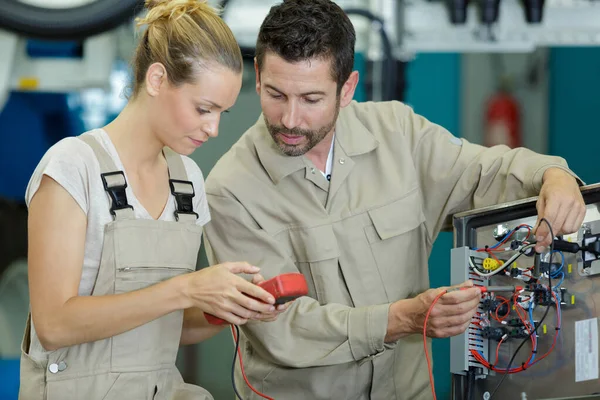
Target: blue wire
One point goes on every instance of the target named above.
(562, 279)
(532, 322)
(555, 274)
(494, 247)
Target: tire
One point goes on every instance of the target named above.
(73, 23)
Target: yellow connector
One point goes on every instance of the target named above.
(489, 264)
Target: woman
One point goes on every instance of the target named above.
(115, 223)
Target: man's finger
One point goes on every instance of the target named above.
(572, 223)
(461, 296)
(549, 216)
(539, 206)
(561, 217)
(542, 235)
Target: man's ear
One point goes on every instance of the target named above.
(347, 92)
(257, 71)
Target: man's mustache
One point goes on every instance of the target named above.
(290, 132)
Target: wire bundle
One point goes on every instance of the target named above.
(525, 315)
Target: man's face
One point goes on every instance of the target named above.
(299, 101)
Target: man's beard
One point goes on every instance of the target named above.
(313, 136)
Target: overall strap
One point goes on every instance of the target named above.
(181, 188)
(113, 180)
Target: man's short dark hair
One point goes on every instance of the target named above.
(300, 30)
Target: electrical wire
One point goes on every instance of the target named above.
(534, 331)
(503, 300)
(235, 331)
(508, 236)
(503, 266)
(389, 62)
(237, 347)
(532, 323)
(425, 342)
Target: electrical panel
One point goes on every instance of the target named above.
(538, 336)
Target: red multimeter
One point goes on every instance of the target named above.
(284, 287)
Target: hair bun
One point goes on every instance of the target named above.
(171, 9)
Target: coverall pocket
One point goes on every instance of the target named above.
(396, 238)
(92, 387)
(313, 249)
(33, 386)
(146, 345)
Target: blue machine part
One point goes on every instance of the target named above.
(9, 385)
(30, 123)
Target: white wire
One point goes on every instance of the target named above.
(503, 266)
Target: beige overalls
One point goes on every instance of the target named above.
(140, 363)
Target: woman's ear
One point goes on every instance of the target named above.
(155, 78)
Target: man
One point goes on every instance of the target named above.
(353, 196)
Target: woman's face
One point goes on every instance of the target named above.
(185, 116)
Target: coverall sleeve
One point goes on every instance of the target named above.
(307, 334)
(456, 175)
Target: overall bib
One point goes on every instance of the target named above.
(137, 253)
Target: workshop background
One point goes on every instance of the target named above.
(515, 72)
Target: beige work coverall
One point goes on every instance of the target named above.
(138, 364)
(362, 241)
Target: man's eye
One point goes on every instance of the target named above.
(203, 111)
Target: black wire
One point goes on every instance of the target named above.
(470, 384)
(389, 62)
(539, 323)
(237, 346)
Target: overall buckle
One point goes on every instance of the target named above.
(184, 192)
(115, 188)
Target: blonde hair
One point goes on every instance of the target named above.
(186, 36)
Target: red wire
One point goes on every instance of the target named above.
(242, 368)
(504, 300)
(507, 239)
(555, 335)
(486, 364)
(425, 342)
(498, 352)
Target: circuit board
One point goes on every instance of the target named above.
(541, 341)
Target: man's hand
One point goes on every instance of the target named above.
(561, 204)
(269, 316)
(450, 316)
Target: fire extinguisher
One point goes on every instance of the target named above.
(502, 120)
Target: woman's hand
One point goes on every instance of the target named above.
(217, 290)
(269, 316)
